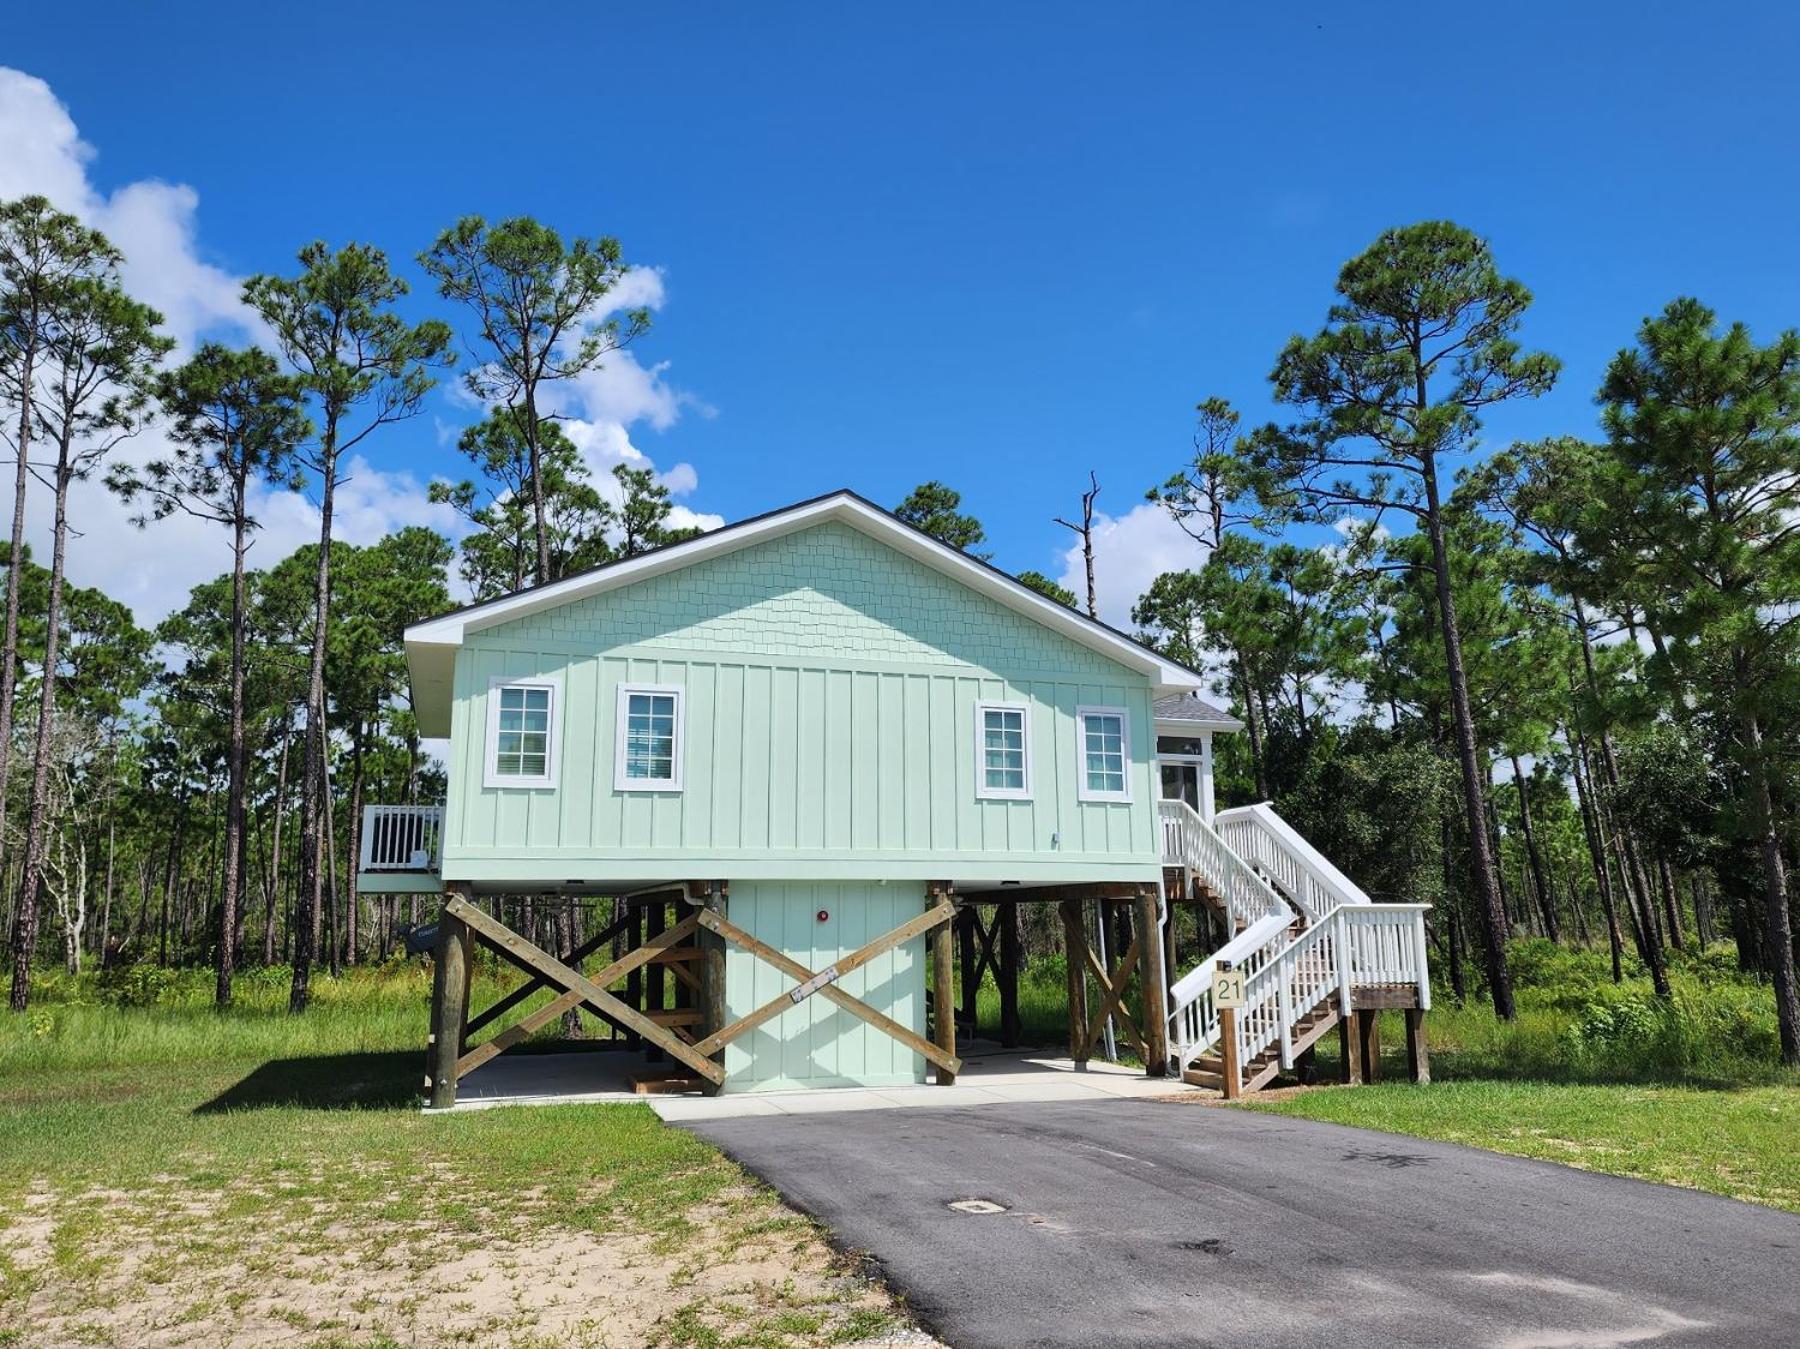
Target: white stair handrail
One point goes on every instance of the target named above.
(1274, 847)
(1193, 1020)
(1189, 841)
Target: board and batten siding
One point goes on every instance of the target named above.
(830, 686)
(816, 1043)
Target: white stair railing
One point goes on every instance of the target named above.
(1193, 1020)
(1279, 851)
(1189, 841)
(1348, 942)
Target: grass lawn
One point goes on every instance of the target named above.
(170, 1175)
(1739, 1143)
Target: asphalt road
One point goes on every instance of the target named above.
(1146, 1223)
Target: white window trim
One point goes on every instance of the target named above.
(621, 783)
(1082, 791)
(490, 761)
(982, 790)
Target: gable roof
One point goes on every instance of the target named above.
(431, 645)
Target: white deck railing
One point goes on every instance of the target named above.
(1280, 852)
(401, 838)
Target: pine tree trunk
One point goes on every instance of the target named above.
(1546, 897)
(1671, 904)
(1490, 909)
(15, 576)
(312, 787)
(1254, 727)
(25, 927)
(272, 899)
(1778, 932)
(231, 896)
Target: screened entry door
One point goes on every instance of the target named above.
(1181, 781)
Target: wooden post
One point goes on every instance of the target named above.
(943, 985)
(1230, 1069)
(1151, 973)
(1075, 956)
(1350, 1049)
(1369, 1034)
(1010, 961)
(712, 968)
(655, 924)
(634, 982)
(449, 1008)
(1418, 1057)
(971, 986)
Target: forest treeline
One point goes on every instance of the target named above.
(192, 794)
(1551, 688)
(1548, 688)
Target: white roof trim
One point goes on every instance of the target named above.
(450, 630)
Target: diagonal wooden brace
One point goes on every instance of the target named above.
(516, 948)
(1112, 998)
(810, 983)
(537, 981)
(567, 1001)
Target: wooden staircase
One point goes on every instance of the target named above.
(1309, 947)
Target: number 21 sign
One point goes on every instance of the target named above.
(1228, 989)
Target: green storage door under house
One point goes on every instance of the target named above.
(817, 1044)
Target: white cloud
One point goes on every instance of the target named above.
(150, 222)
(155, 225)
(1130, 551)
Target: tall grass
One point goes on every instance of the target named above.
(1576, 1025)
(146, 1015)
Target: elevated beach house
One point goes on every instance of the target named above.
(816, 763)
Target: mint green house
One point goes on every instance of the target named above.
(803, 750)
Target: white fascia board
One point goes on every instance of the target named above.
(450, 630)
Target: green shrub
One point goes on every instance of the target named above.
(138, 985)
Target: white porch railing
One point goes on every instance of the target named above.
(401, 838)
(1278, 850)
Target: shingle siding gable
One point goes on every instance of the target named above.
(827, 591)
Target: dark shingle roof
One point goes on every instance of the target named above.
(1190, 707)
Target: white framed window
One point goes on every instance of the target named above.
(647, 738)
(1103, 753)
(522, 732)
(1003, 751)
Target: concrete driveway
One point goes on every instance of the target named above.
(1132, 1222)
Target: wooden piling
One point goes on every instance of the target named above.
(712, 967)
(1011, 957)
(1151, 974)
(943, 985)
(449, 1008)
(1369, 1037)
(1418, 1057)
(1075, 956)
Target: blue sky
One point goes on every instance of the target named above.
(998, 245)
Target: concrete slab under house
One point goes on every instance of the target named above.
(766, 801)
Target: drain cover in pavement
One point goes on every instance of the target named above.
(976, 1206)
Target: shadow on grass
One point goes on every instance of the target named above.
(388, 1080)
